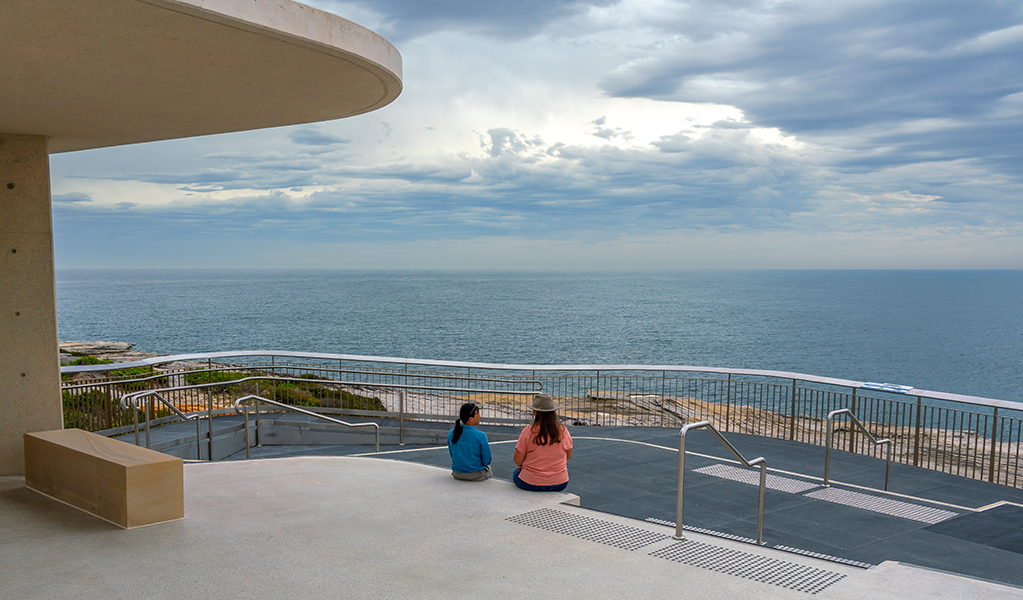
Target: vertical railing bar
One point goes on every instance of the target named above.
(728, 404)
(792, 420)
(209, 404)
(852, 431)
(994, 446)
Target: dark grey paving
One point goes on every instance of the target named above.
(1000, 527)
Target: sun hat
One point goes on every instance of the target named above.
(544, 403)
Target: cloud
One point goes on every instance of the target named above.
(71, 198)
(638, 119)
(315, 136)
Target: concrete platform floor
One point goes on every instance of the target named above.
(327, 527)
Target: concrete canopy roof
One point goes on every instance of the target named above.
(97, 73)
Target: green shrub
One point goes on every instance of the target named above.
(216, 376)
(90, 360)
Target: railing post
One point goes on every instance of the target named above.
(792, 419)
(916, 434)
(852, 430)
(664, 390)
(149, 417)
(247, 431)
(259, 431)
(679, 533)
(110, 408)
(760, 506)
(401, 417)
(994, 446)
(827, 450)
(209, 405)
(728, 404)
(135, 420)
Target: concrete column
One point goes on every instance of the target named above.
(29, 367)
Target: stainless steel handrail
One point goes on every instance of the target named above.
(761, 461)
(184, 416)
(877, 442)
(258, 399)
(134, 398)
(900, 390)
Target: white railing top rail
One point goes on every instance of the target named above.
(865, 385)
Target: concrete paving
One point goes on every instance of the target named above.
(324, 527)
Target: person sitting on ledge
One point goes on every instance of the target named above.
(543, 450)
(468, 446)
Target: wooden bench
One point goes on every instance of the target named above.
(127, 485)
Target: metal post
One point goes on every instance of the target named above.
(209, 404)
(135, 419)
(149, 414)
(198, 437)
(852, 430)
(916, 435)
(679, 535)
(888, 466)
(994, 446)
(247, 431)
(827, 451)
(760, 506)
(259, 431)
(792, 419)
(728, 404)
(401, 417)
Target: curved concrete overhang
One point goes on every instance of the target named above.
(96, 73)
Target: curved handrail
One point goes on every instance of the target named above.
(877, 442)
(134, 399)
(258, 399)
(174, 409)
(761, 461)
(866, 385)
(131, 397)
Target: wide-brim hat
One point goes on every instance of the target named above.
(544, 403)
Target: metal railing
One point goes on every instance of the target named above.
(827, 445)
(679, 534)
(979, 438)
(258, 399)
(134, 400)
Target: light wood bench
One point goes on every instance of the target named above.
(127, 485)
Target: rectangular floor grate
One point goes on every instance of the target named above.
(752, 477)
(828, 557)
(588, 528)
(754, 567)
(719, 534)
(896, 508)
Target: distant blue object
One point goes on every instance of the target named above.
(471, 453)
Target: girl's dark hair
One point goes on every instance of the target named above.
(546, 427)
(465, 413)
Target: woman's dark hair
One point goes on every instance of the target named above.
(465, 413)
(547, 428)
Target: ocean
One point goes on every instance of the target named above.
(949, 331)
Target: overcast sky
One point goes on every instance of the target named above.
(542, 134)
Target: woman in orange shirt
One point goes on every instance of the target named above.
(543, 450)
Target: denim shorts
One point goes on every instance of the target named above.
(537, 488)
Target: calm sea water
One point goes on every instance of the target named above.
(952, 331)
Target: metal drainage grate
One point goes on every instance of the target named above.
(719, 534)
(750, 566)
(782, 484)
(886, 506)
(828, 557)
(587, 528)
